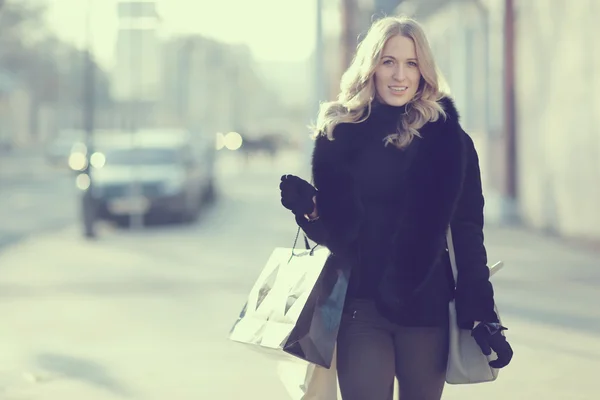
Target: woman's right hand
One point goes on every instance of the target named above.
(297, 195)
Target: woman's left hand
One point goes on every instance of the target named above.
(488, 336)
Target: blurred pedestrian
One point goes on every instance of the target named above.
(392, 169)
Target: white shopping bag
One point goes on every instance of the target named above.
(277, 300)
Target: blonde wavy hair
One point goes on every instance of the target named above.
(357, 87)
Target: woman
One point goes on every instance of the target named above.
(392, 169)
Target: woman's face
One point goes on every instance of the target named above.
(397, 75)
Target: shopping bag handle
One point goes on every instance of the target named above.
(306, 245)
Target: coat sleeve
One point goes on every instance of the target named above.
(474, 292)
(338, 203)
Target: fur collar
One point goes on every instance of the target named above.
(434, 182)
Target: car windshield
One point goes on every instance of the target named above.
(141, 156)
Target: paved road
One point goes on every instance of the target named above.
(145, 314)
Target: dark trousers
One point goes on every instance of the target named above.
(371, 351)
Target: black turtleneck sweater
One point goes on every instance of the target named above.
(379, 172)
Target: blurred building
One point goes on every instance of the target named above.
(212, 87)
(15, 106)
(556, 123)
(188, 81)
(136, 76)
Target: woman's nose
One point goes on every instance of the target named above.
(399, 73)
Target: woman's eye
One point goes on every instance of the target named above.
(387, 62)
(412, 64)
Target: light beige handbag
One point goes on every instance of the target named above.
(466, 362)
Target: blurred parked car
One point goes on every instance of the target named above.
(269, 144)
(163, 174)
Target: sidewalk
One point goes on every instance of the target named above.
(548, 294)
(25, 164)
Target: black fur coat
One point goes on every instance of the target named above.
(443, 188)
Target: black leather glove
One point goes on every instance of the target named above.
(297, 194)
(488, 336)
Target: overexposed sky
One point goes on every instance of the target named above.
(274, 29)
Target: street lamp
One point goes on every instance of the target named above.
(89, 207)
(319, 88)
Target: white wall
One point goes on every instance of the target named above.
(558, 63)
